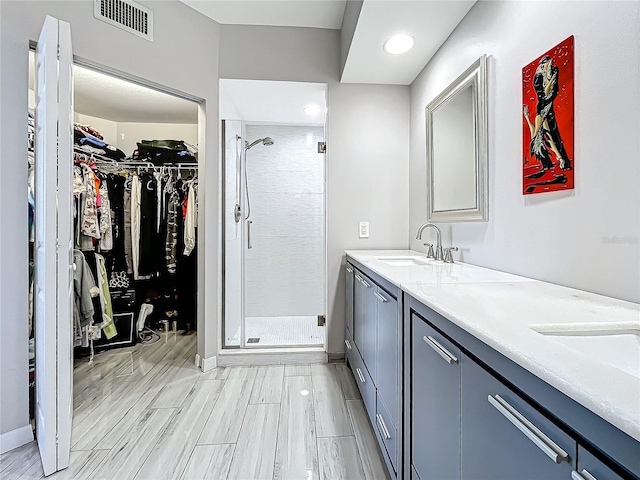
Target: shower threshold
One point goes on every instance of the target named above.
(271, 356)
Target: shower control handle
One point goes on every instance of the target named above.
(249, 222)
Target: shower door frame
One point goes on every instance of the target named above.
(243, 200)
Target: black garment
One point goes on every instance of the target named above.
(152, 238)
(115, 259)
(161, 152)
(148, 218)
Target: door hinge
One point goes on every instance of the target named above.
(322, 320)
(322, 147)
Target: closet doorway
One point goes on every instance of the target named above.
(134, 193)
(274, 258)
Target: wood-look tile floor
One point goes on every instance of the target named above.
(147, 412)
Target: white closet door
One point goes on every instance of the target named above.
(53, 255)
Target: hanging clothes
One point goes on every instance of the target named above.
(106, 233)
(116, 259)
(148, 264)
(136, 188)
(128, 229)
(85, 290)
(173, 210)
(108, 325)
(191, 221)
(90, 226)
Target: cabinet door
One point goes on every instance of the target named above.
(435, 403)
(590, 468)
(364, 321)
(359, 295)
(349, 298)
(370, 334)
(387, 352)
(504, 437)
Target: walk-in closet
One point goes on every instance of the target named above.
(134, 194)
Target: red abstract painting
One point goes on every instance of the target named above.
(547, 126)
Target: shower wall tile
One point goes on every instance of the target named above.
(305, 182)
(284, 271)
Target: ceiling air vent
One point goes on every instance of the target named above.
(127, 15)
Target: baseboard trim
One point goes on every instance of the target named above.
(336, 357)
(284, 356)
(207, 364)
(15, 438)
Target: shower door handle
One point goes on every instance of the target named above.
(249, 222)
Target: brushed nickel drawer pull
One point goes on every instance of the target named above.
(385, 432)
(380, 297)
(583, 475)
(440, 350)
(533, 433)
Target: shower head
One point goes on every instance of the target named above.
(267, 141)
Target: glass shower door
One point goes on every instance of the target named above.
(232, 224)
(284, 262)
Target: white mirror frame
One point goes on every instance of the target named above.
(476, 76)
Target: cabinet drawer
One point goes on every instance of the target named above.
(505, 437)
(388, 352)
(435, 401)
(387, 430)
(365, 385)
(589, 467)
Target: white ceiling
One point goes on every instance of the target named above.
(111, 98)
(273, 102)
(280, 13)
(429, 22)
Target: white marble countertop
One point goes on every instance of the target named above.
(507, 312)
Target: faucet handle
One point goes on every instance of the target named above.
(430, 253)
(448, 258)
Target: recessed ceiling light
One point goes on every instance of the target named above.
(312, 109)
(399, 44)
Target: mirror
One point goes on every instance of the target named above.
(457, 149)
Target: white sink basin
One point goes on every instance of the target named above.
(404, 261)
(615, 344)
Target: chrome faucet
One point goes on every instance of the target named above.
(438, 255)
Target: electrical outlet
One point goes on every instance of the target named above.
(363, 230)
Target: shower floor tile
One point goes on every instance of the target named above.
(279, 331)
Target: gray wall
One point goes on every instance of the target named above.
(348, 29)
(180, 35)
(367, 143)
(562, 237)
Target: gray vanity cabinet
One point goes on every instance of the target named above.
(374, 351)
(435, 400)
(504, 437)
(590, 468)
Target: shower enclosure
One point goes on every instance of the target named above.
(274, 235)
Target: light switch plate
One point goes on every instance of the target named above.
(363, 230)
